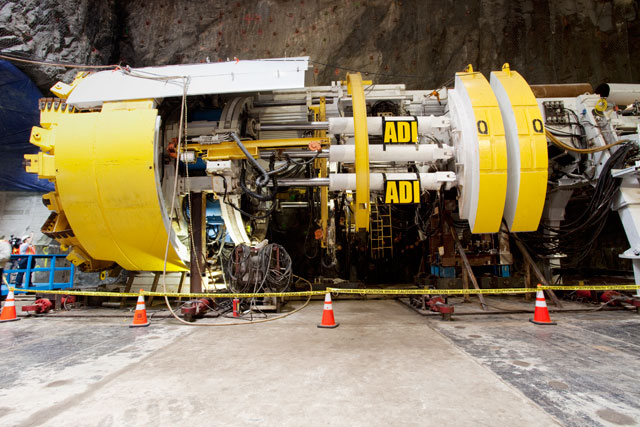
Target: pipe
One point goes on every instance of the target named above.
(285, 205)
(294, 126)
(347, 181)
(362, 206)
(426, 153)
(426, 124)
(302, 182)
(299, 154)
(287, 102)
(198, 216)
(428, 181)
(393, 153)
(619, 93)
(569, 90)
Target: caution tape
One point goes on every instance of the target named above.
(430, 291)
(593, 288)
(174, 294)
(481, 291)
(236, 295)
(80, 293)
(339, 291)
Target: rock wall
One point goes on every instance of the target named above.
(420, 43)
(73, 31)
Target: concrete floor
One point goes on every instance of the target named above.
(584, 371)
(384, 365)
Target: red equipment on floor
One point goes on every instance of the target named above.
(196, 309)
(40, 306)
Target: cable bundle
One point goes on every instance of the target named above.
(576, 237)
(259, 269)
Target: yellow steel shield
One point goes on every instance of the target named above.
(108, 186)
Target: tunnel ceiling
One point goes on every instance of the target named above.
(420, 43)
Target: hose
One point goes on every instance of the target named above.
(247, 190)
(261, 180)
(567, 147)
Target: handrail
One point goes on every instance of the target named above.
(51, 269)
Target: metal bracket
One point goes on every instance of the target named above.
(621, 173)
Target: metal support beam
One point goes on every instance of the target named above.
(528, 259)
(467, 267)
(465, 285)
(230, 150)
(355, 88)
(127, 288)
(183, 274)
(527, 281)
(154, 286)
(197, 242)
(321, 164)
(295, 126)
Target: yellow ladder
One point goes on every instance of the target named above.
(380, 231)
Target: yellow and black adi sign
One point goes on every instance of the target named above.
(399, 130)
(402, 191)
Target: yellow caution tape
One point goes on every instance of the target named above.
(341, 291)
(236, 295)
(174, 294)
(592, 288)
(481, 291)
(430, 291)
(89, 293)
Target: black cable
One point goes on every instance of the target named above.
(257, 196)
(304, 162)
(583, 133)
(226, 201)
(259, 269)
(35, 61)
(578, 236)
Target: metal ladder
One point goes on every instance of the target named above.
(381, 234)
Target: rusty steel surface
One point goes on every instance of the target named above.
(567, 90)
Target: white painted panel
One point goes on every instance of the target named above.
(466, 146)
(513, 149)
(168, 81)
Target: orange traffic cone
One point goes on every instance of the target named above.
(140, 316)
(327, 314)
(541, 314)
(9, 310)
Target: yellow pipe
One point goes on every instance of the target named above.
(355, 88)
(230, 150)
(322, 166)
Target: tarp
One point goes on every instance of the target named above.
(18, 114)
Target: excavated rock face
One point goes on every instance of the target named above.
(75, 31)
(417, 42)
